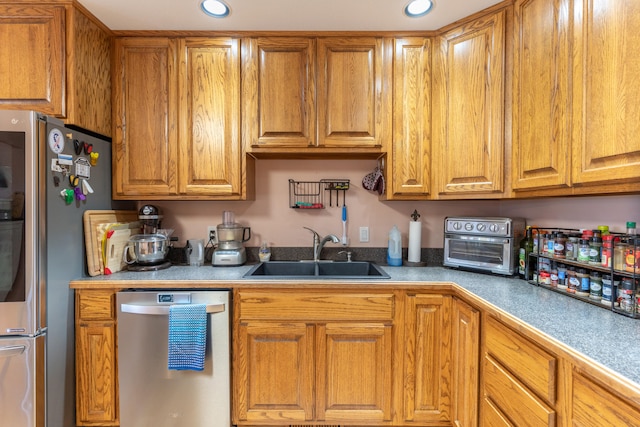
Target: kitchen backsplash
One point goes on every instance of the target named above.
(273, 221)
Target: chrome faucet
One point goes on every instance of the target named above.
(319, 242)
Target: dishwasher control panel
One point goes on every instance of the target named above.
(174, 298)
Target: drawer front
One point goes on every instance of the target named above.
(95, 305)
(513, 399)
(532, 365)
(310, 306)
(594, 406)
(491, 416)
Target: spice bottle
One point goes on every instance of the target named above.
(619, 253)
(632, 256)
(607, 250)
(606, 290)
(595, 248)
(553, 275)
(595, 285)
(631, 228)
(562, 276)
(571, 247)
(583, 277)
(572, 280)
(559, 246)
(625, 294)
(583, 251)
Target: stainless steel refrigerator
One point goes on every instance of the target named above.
(48, 178)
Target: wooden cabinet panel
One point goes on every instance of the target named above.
(410, 155)
(605, 91)
(541, 98)
(96, 372)
(275, 372)
(354, 372)
(595, 406)
(354, 103)
(145, 117)
(468, 115)
(529, 363)
(465, 347)
(279, 90)
(32, 58)
(514, 399)
(209, 91)
(315, 306)
(492, 417)
(427, 372)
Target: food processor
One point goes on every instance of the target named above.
(230, 236)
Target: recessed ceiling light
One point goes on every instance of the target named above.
(417, 8)
(215, 8)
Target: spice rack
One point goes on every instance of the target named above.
(313, 194)
(618, 279)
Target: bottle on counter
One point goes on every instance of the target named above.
(394, 251)
(526, 247)
(264, 253)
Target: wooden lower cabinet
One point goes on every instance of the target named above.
(313, 357)
(96, 372)
(465, 344)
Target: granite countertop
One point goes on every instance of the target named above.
(599, 334)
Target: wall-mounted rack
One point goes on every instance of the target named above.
(312, 194)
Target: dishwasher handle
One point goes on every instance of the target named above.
(162, 310)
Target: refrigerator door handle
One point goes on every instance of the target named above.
(12, 350)
(162, 310)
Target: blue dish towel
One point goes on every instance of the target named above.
(187, 336)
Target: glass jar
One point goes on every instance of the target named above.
(607, 290)
(571, 247)
(626, 292)
(573, 282)
(595, 248)
(595, 285)
(562, 276)
(607, 250)
(632, 256)
(553, 274)
(583, 251)
(559, 246)
(619, 252)
(583, 278)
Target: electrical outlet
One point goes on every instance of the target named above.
(211, 232)
(364, 234)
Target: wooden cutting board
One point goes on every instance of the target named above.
(94, 226)
(114, 240)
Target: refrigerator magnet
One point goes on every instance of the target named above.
(56, 140)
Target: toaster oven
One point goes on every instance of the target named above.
(486, 244)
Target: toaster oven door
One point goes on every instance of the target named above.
(494, 254)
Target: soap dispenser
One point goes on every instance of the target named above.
(394, 252)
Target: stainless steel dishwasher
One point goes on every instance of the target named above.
(151, 395)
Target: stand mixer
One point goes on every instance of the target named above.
(230, 235)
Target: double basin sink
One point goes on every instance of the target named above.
(309, 270)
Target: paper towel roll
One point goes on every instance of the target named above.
(415, 240)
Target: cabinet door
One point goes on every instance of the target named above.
(606, 90)
(209, 116)
(427, 370)
(274, 371)
(354, 372)
(279, 87)
(468, 115)
(541, 99)
(96, 374)
(32, 61)
(466, 361)
(354, 100)
(145, 118)
(410, 155)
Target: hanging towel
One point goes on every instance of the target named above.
(187, 336)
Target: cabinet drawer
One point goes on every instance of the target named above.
(529, 363)
(95, 305)
(514, 399)
(595, 406)
(310, 306)
(491, 416)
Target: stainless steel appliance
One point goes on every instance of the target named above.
(483, 243)
(41, 250)
(230, 237)
(150, 393)
(148, 251)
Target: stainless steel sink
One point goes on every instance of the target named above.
(322, 270)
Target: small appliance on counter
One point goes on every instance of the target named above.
(487, 244)
(148, 251)
(230, 236)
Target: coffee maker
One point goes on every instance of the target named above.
(230, 236)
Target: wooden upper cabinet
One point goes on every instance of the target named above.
(606, 89)
(541, 156)
(354, 99)
(209, 112)
(468, 112)
(145, 146)
(279, 91)
(32, 58)
(316, 95)
(409, 156)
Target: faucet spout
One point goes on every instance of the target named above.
(319, 242)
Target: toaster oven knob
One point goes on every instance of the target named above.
(494, 228)
(457, 225)
(468, 226)
(481, 227)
